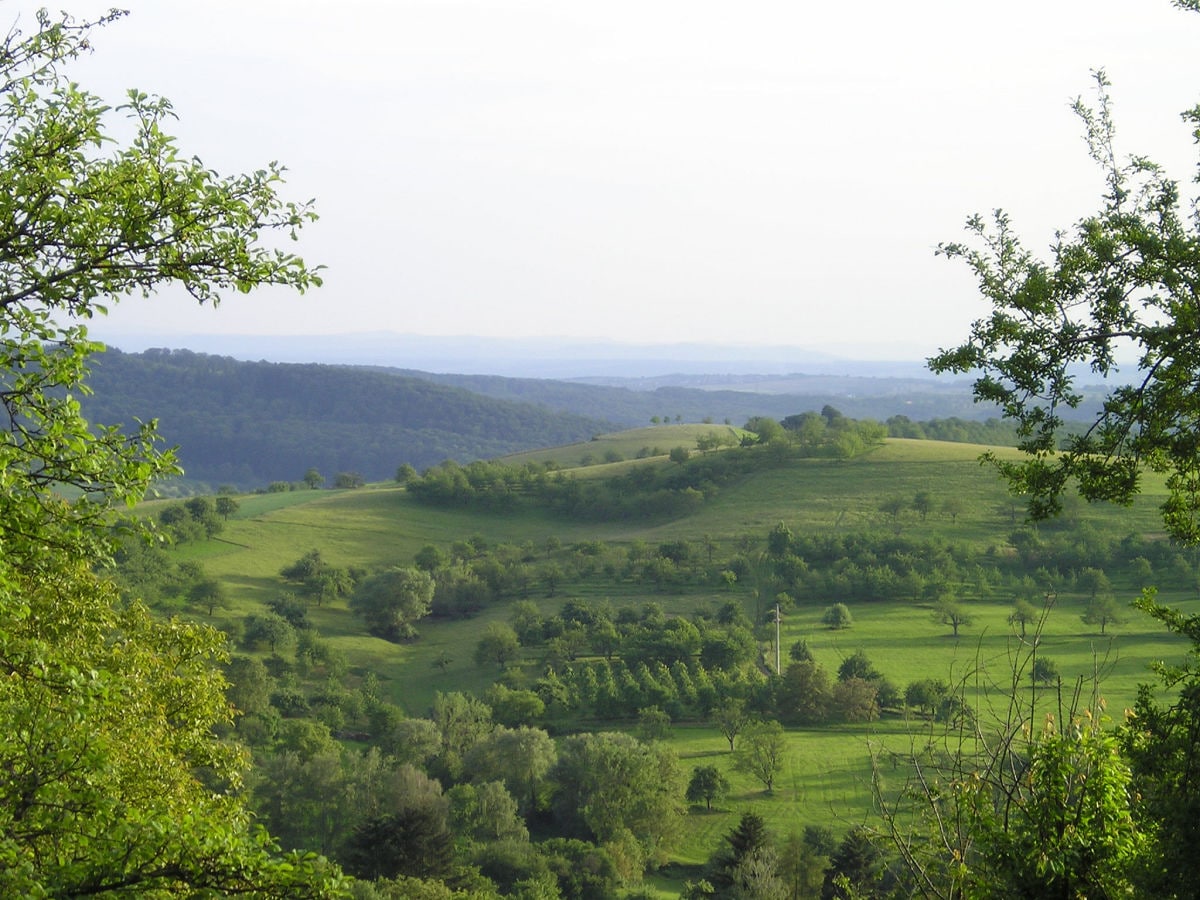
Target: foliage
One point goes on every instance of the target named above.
(498, 645)
(1161, 741)
(1102, 611)
(708, 783)
(1121, 281)
(838, 616)
(952, 613)
(393, 600)
(1067, 829)
(114, 781)
(612, 784)
(762, 753)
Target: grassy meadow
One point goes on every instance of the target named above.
(827, 777)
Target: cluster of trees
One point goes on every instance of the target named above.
(453, 796)
(824, 434)
(645, 491)
(866, 566)
(808, 862)
(990, 432)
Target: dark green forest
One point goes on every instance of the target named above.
(251, 423)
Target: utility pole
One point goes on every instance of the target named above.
(778, 669)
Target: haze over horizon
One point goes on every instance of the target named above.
(655, 174)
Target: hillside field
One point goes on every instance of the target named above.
(827, 777)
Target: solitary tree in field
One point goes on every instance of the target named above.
(952, 613)
(731, 718)
(762, 753)
(1103, 611)
(392, 601)
(226, 506)
(1023, 615)
(708, 783)
(838, 616)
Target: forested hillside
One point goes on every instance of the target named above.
(251, 423)
(629, 406)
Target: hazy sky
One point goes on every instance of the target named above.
(773, 172)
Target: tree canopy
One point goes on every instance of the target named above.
(1120, 284)
(107, 715)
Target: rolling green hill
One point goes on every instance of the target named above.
(969, 523)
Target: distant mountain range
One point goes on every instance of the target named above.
(562, 358)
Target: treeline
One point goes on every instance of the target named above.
(992, 432)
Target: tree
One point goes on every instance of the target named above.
(926, 694)
(1023, 615)
(853, 868)
(520, 757)
(708, 783)
(348, 480)
(1102, 611)
(393, 600)
(313, 479)
(679, 455)
(748, 866)
(893, 506)
(802, 696)
(611, 784)
(267, 628)
(226, 506)
(291, 609)
(1122, 280)
(1160, 743)
(779, 541)
(762, 753)
(923, 504)
(415, 841)
(498, 645)
(209, 594)
(838, 616)
(799, 651)
(1045, 671)
(249, 685)
(949, 612)
(731, 718)
(485, 812)
(858, 665)
(855, 699)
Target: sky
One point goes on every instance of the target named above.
(654, 172)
